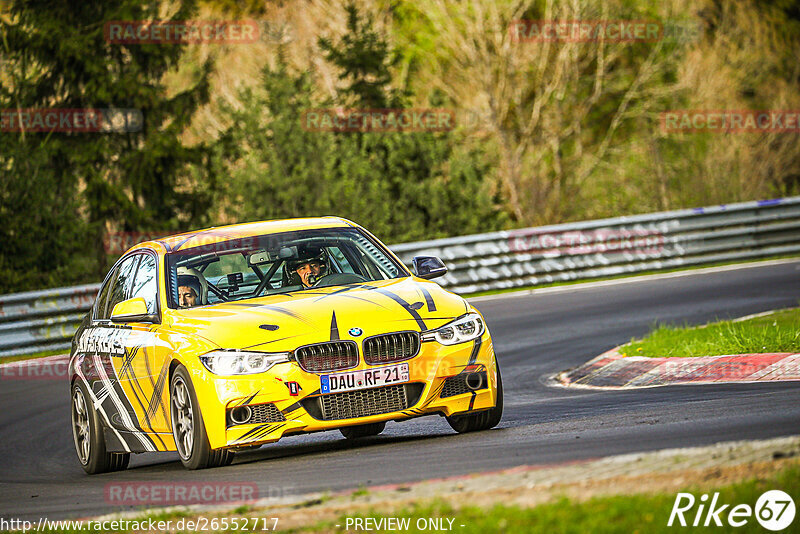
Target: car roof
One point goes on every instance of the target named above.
(218, 234)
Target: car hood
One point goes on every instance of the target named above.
(285, 322)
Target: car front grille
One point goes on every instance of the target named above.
(363, 402)
(387, 348)
(328, 356)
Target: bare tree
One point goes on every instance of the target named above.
(554, 106)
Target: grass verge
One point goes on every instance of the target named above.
(777, 332)
(630, 493)
(622, 513)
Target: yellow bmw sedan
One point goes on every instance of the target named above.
(226, 339)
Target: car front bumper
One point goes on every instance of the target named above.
(295, 395)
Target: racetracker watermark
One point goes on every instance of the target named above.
(378, 120)
(615, 31)
(118, 242)
(50, 368)
(85, 120)
(731, 121)
(147, 524)
(182, 32)
(185, 493)
(774, 510)
(601, 240)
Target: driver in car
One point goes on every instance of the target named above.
(310, 266)
(188, 291)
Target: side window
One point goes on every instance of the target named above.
(102, 297)
(122, 285)
(145, 284)
(339, 258)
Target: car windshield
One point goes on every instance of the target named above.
(250, 267)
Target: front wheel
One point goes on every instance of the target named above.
(482, 420)
(188, 429)
(87, 434)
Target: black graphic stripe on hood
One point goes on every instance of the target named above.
(334, 328)
(406, 306)
(271, 307)
(349, 287)
(411, 311)
(345, 289)
(428, 298)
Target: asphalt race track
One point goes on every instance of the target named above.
(534, 335)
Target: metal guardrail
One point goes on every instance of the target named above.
(42, 320)
(45, 320)
(608, 247)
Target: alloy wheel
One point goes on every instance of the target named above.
(182, 419)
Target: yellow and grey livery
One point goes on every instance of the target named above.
(377, 343)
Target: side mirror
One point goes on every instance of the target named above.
(132, 311)
(428, 267)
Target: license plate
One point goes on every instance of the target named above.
(366, 378)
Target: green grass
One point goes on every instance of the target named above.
(362, 491)
(624, 275)
(618, 514)
(778, 332)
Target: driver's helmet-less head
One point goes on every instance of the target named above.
(194, 279)
(306, 255)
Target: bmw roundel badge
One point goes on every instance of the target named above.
(355, 332)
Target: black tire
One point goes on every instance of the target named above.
(87, 434)
(362, 431)
(482, 420)
(188, 428)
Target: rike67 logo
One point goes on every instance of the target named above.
(774, 510)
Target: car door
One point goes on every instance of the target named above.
(119, 362)
(102, 346)
(145, 375)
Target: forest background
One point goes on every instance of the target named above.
(545, 131)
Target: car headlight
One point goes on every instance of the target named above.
(236, 362)
(463, 329)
